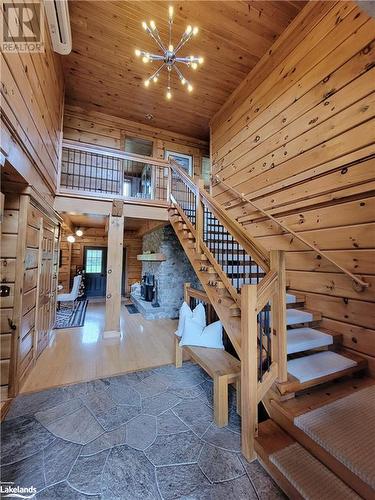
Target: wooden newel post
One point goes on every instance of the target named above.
(278, 315)
(199, 215)
(114, 272)
(249, 369)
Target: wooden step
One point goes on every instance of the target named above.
(301, 316)
(319, 368)
(306, 339)
(297, 472)
(340, 451)
(294, 298)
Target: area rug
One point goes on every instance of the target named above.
(346, 429)
(132, 309)
(65, 318)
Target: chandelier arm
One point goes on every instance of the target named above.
(157, 71)
(181, 43)
(155, 57)
(160, 41)
(157, 40)
(181, 76)
(187, 60)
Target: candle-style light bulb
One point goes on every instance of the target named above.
(170, 12)
(146, 82)
(188, 29)
(137, 52)
(190, 88)
(195, 30)
(144, 25)
(168, 95)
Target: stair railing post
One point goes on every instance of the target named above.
(278, 315)
(169, 183)
(249, 370)
(199, 215)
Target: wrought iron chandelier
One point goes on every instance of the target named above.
(169, 57)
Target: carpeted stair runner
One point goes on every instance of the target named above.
(346, 429)
(310, 477)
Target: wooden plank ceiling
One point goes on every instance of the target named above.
(103, 74)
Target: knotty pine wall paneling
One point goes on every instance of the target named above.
(297, 137)
(109, 131)
(73, 255)
(32, 96)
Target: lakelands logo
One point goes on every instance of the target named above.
(22, 27)
(7, 490)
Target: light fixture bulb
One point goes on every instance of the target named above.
(195, 30)
(145, 59)
(79, 232)
(188, 29)
(137, 52)
(170, 48)
(71, 238)
(144, 25)
(183, 81)
(194, 65)
(200, 60)
(146, 83)
(170, 11)
(155, 79)
(190, 88)
(153, 25)
(168, 95)
(191, 58)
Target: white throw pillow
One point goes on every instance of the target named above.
(195, 335)
(198, 315)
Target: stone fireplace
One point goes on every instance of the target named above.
(170, 274)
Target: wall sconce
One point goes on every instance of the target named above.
(71, 238)
(79, 232)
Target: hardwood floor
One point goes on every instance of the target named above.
(80, 354)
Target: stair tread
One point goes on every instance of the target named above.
(308, 475)
(304, 339)
(319, 365)
(295, 469)
(297, 316)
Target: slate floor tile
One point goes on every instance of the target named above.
(220, 465)
(86, 388)
(184, 481)
(240, 488)
(158, 404)
(45, 417)
(116, 415)
(98, 401)
(105, 441)
(64, 492)
(187, 393)
(174, 449)
(79, 427)
(128, 475)
(86, 475)
(168, 423)
(141, 432)
(122, 393)
(155, 384)
(25, 473)
(28, 404)
(234, 421)
(196, 414)
(22, 437)
(266, 488)
(183, 379)
(223, 438)
(58, 460)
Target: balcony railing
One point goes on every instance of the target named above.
(111, 173)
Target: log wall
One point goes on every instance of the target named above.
(297, 137)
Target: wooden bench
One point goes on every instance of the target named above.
(223, 368)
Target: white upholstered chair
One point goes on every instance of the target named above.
(73, 295)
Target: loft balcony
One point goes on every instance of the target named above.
(95, 172)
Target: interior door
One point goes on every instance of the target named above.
(95, 264)
(43, 322)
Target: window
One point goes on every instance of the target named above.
(139, 146)
(185, 161)
(206, 170)
(94, 260)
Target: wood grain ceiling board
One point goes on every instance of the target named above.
(103, 74)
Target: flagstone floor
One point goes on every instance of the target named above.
(143, 435)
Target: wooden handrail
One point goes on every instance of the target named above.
(252, 247)
(358, 283)
(114, 153)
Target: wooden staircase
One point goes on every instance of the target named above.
(292, 364)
